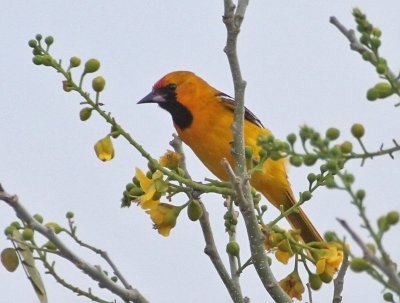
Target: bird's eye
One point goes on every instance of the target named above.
(171, 87)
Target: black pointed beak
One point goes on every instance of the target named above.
(153, 97)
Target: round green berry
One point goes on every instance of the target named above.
(392, 217)
(388, 297)
(346, 147)
(295, 160)
(311, 177)
(332, 133)
(9, 230)
(381, 69)
(85, 113)
(360, 194)
(69, 215)
(37, 60)
(372, 94)
(38, 37)
(357, 130)
(74, 61)
(27, 234)
(98, 84)
(315, 281)
(359, 264)
(291, 138)
(91, 66)
(194, 210)
(306, 195)
(49, 40)
(310, 159)
(32, 43)
(233, 248)
(38, 217)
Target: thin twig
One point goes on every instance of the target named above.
(92, 271)
(369, 256)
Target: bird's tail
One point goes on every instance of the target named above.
(299, 220)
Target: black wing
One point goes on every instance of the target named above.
(230, 103)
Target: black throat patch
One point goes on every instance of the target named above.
(181, 115)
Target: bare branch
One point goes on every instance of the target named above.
(92, 271)
(339, 281)
(211, 249)
(369, 256)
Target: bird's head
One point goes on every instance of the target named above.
(178, 93)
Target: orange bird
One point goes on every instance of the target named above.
(202, 117)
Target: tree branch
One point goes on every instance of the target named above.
(92, 271)
(370, 257)
(211, 249)
(233, 18)
(339, 281)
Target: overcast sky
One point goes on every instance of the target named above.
(299, 70)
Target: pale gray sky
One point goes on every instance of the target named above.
(299, 70)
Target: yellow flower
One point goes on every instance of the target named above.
(292, 285)
(146, 200)
(283, 256)
(170, 159)
(328, 259)
(104, 149)
(276, 241)
(164, 217)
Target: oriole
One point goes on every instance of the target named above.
(202, 117)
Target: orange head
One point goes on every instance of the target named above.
(178, 92)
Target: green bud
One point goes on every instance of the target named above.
(332, 133)
(38, 217)
(360, 194)
(69, 215)
(136, 192)
(16, 224)
(330, 236)
(305, 196)
(50, 245)
(291, 138)
(375, 43)
(98, 84)
(38, 37)
(383, 224)
(364, 39)
(348, 179)
(330, 182)
(74, 61)
(264, 208)
(372, 94)
(359, 264)
(9, 230)
(49, 40)
(194, 210)
(310, 159)
(248, 152)
(47, 60)
(357, 130)
(27, 234)
(346, 147)
(315, 281)
(54, 226)
(91, 66)
(384, 89)
(32, 43)
(357, 13)
(37, 60)
(392, 217)
(376, 32)
(295, 161)
(85, 113)
(323, 168)
(36, 52)
(367, 56)
(332, 166)
(388, 297)
(381, 69)
(233, 248)
(311, 177)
